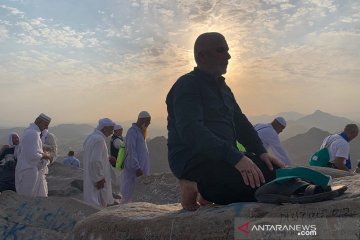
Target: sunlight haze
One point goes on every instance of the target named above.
(78, 61)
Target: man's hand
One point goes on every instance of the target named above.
(271, 161)
(250, 172)
(46, 155)
(139, 172)
(100, 184)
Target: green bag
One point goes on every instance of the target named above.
(121, 157)
(320, 158)
(240, 147)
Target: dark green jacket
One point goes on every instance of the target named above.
(204, 122)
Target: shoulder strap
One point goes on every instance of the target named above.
(328, 143)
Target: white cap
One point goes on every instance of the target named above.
(105, 122)
(44, 117)
(117, 127)
(144, 114)
(281, 120)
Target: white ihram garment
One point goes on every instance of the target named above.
(97, 167)
(137, 157)
(30, 169)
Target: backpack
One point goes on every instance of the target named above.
(121, 157)
(321, 158)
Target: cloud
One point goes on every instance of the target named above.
(3, 32)
(328, 4)
(134, 48)
(41, 31)
(13, 11)
(38, 31)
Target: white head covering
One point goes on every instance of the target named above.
(105, 122)
(44, 117)
(117, 127)
(144, 114)
(10, 141)
(281, 120)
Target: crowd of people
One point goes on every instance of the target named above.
(25, 160)
(205, 123)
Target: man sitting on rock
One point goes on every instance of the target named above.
(339, 147)
(8, 157)
(71, 160)
(204, 122)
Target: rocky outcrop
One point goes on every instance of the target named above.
(158, 189)
(23, 217)
(156, 214)
(149, 221)
(65, 181)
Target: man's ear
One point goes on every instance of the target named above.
(201, 57)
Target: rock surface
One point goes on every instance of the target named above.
(158, 189)
(40, 218)
(150, 221)
(65, 181)
(156, 214)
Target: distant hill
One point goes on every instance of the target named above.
(324, 121)
(302, 136)
(289, 116)
(319, 119)
(70, 136)
(293, 129)
(303, 145)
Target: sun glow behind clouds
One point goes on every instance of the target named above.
(79, 63)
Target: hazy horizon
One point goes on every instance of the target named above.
(79, 61)
(159, 122)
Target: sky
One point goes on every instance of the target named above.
(79, 61)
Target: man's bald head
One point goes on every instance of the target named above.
(351, 130)
(205, 41)
(211, 53)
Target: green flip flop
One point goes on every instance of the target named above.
(307, 174)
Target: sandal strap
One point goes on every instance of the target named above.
(288, 187)
(313, 189)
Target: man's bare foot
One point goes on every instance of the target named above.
(188, 195)
(202, 201)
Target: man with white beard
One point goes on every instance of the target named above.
(97, 172)
(29, 175)
(136, 161)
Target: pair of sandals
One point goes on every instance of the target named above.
(298, 185)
